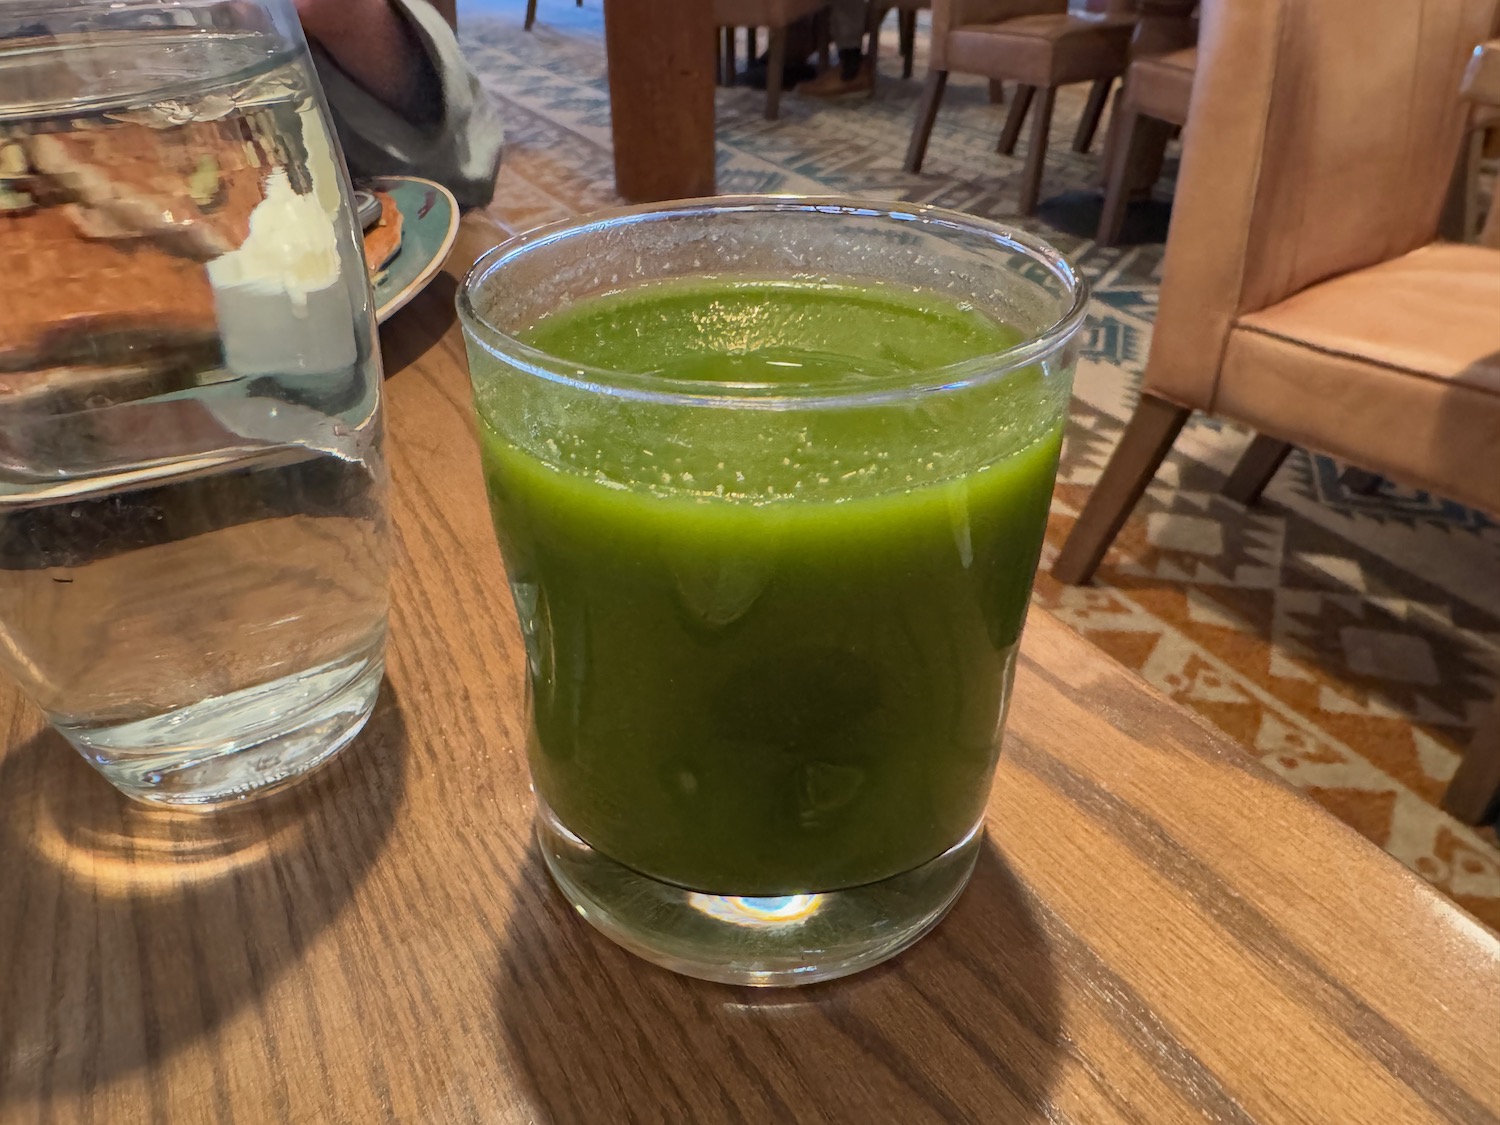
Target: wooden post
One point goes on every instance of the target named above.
(661, 96)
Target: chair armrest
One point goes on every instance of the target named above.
(1482, 78)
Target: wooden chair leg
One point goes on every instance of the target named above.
(1460, 217)
(932, 95)
(530, 13)
(1473, 795)
(1149, 152)
(775, 72)
(1019, 104)
(726, 56)
(1036, 152)
(1124, 148)
(878, 12)
(1111, 136)
(1093, 110)
(752, 47)
(1257, 465)
(1489, 234)
(823, 32)
(997, 92)
(907, 23)
(1153, 428)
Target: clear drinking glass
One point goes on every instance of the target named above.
(193, 555)
(771, 600)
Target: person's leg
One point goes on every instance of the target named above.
(849, 18)
(853, 75)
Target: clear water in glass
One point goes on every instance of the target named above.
(193, 551)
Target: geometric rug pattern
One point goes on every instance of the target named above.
(1349, 642)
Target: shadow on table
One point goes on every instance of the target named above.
(963, 1026)
(414, 330)
(127, 932)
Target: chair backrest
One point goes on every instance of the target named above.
(1321, 139)
(950, 14)
(1165, 25)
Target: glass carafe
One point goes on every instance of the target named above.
(193, 556)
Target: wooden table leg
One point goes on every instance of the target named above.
(661, 96)
(1474, 792)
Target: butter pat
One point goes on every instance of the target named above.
(283, 306)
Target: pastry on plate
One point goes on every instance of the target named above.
(383, 240)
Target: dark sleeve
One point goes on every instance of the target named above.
(460, 149)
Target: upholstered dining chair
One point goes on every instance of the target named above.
(1152, 103)
(776, 16)
(1038, 44)
(531, 12)
(1302, 292)
(1464, 219)
(1471, 221)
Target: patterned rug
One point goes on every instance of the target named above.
(1350, 642)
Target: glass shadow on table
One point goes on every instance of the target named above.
(965, 1022)
(128, 932)
(420, 326)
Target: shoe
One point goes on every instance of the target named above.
(754, 74)
(832, 83)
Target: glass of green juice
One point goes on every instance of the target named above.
(770, 477)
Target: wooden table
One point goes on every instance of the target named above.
(1158, 930)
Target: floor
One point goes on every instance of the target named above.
(1350, 642)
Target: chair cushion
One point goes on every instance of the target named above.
(1162, 85)
(1044, 50)
(1395, 367)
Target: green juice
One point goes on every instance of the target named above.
(769, 650)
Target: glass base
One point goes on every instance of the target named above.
(231, 748)
(787, 940)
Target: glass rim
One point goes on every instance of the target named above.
(655, 387)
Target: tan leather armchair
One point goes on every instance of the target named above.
(1153, 101)
(1302, 293)
(1036, 43)
(777, 16)
(1482, 88)
(1462, 220)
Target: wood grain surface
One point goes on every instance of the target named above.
(1158, 931)
(661, 97)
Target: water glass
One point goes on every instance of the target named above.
(771, 595)
(193, 558)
